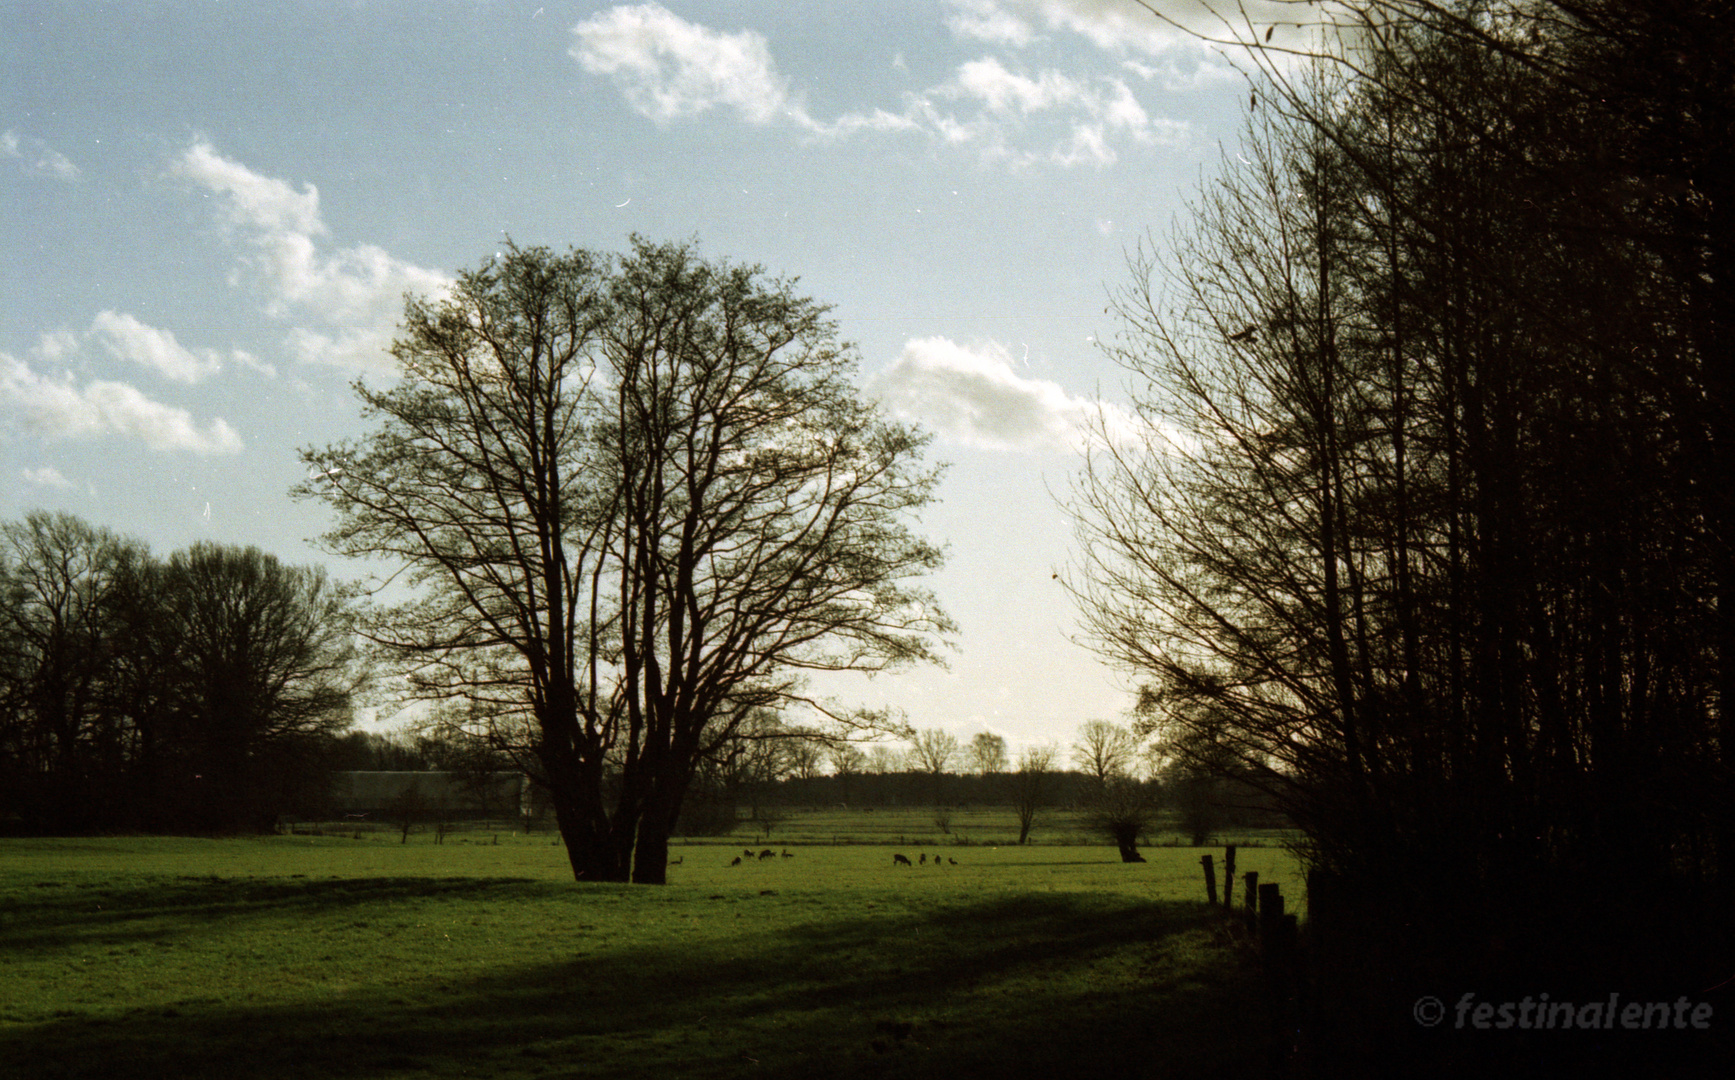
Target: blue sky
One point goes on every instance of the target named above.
(212, 211)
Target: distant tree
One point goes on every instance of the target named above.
(1030, 786)
(407, 808)
(1121, 809)
(642, 498)
(1104, 750)
(265, 674)
(805, 749)
(382, 751)
(931, 750)
(755, 759)
(988, 753)
(60, 738)
(1197, 800)
(882, 760)
(847, 760)
(202, 693)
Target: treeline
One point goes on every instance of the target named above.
(1433, 534)
(1214, 801)
(199, 692)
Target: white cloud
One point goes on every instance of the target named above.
(1121, 25)
(668, 68)
(60, 407)
(352, 297)
(39, 157)
(263, 202)
(972, 394)
(122, 336)
(1002, 91)
(1097, 113)
(986, 20)
(47, 476)
(126, 338)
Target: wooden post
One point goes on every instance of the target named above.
(1270, 912)
(1229, 876)
(1210, 880)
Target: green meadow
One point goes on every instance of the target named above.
(330, 956)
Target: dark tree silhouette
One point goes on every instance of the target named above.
(641, 497)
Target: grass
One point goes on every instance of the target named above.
(285, 957)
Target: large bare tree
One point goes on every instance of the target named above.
(640, 498)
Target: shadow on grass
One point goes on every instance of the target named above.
(47, 918)
(1010, 987)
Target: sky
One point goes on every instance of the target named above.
(212, 211)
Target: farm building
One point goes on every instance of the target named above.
(382, 796)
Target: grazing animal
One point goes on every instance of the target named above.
(922, 858)
(747, 853)
(951, 860)
(768, 854)
(787, 854)
(737, 861)
(900, 860)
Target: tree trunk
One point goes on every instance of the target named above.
(651, 854)
(574, 788)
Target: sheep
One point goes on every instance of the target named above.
(737, 861)
(951, 860)
(787, 854)
(922, 859)
(900, 860)
(768, 854)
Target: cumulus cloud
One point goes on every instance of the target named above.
(58, 406)
(973, 394)
(1166, 26)
(668, 68)
(126, 338)
(346, 301)
(121, 336)
(47, 476)
(39, 157)
(985, 20)
(1097, 113)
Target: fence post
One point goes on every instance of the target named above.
(1270, 913)
(1210, 879)
(1229, 876)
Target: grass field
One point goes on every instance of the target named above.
(300, 956)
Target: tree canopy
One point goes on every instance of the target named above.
(640, 498)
